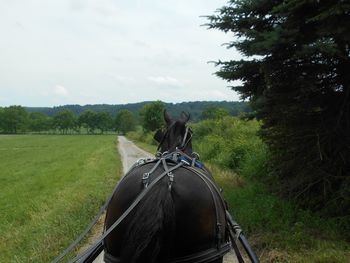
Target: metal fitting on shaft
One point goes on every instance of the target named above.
(145, 179)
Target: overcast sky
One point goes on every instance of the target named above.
(109, 51)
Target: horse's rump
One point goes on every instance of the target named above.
(174, 220)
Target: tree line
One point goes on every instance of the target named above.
(16, 119)
(195, 108)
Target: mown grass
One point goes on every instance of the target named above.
(278, 230)
(51, 187)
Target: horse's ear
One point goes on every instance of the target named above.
(167, 118)
(185, 117)
(158, 136)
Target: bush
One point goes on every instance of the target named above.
(142, 136)
(232, 143)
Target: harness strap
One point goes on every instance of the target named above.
(95, 219)
(204, 256)
(192, 161)
(145, 176)
(234, 237)
(233, 227)
(204, 176)
(109, 258)
(169, 173)
(185, 140)
(207, 181)
(77, 241)
(201, 257)
(124, 215)
(164, 136)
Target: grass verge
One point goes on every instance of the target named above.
(277, 229)
(144, 140)
(51, 187)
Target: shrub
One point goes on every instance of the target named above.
(142, 136)
(232, 143)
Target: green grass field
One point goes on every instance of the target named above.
(50, 189)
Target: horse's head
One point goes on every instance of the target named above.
(176, 134)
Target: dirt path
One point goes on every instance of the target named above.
(130, 153)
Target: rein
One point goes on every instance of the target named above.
(121, 218)
(164, 136)
(177, 159)
(184, 142)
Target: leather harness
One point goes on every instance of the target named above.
(176, 158)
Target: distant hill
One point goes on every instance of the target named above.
(195, 108)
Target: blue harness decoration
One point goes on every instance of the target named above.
(179, 156)
(191, 161)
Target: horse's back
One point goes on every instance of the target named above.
(195, 211)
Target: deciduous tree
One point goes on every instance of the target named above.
(88, 120)
(214, 113)
(13, 119)
(104, 121)
(39, 122)
(152, 116)
(64, 121)
(125, 121)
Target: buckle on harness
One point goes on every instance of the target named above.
(140, 161)
(218, 234)
(182, 159)
(145, 179)
(171, 179)
(195, 155)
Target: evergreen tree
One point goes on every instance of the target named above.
(297, 54)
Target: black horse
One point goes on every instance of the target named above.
(165, 210)
(181, 219)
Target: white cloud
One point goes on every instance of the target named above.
(107, 51)
(100, 7)
(165, 81)
(60, 91)
(119, 78)
(77, 5)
